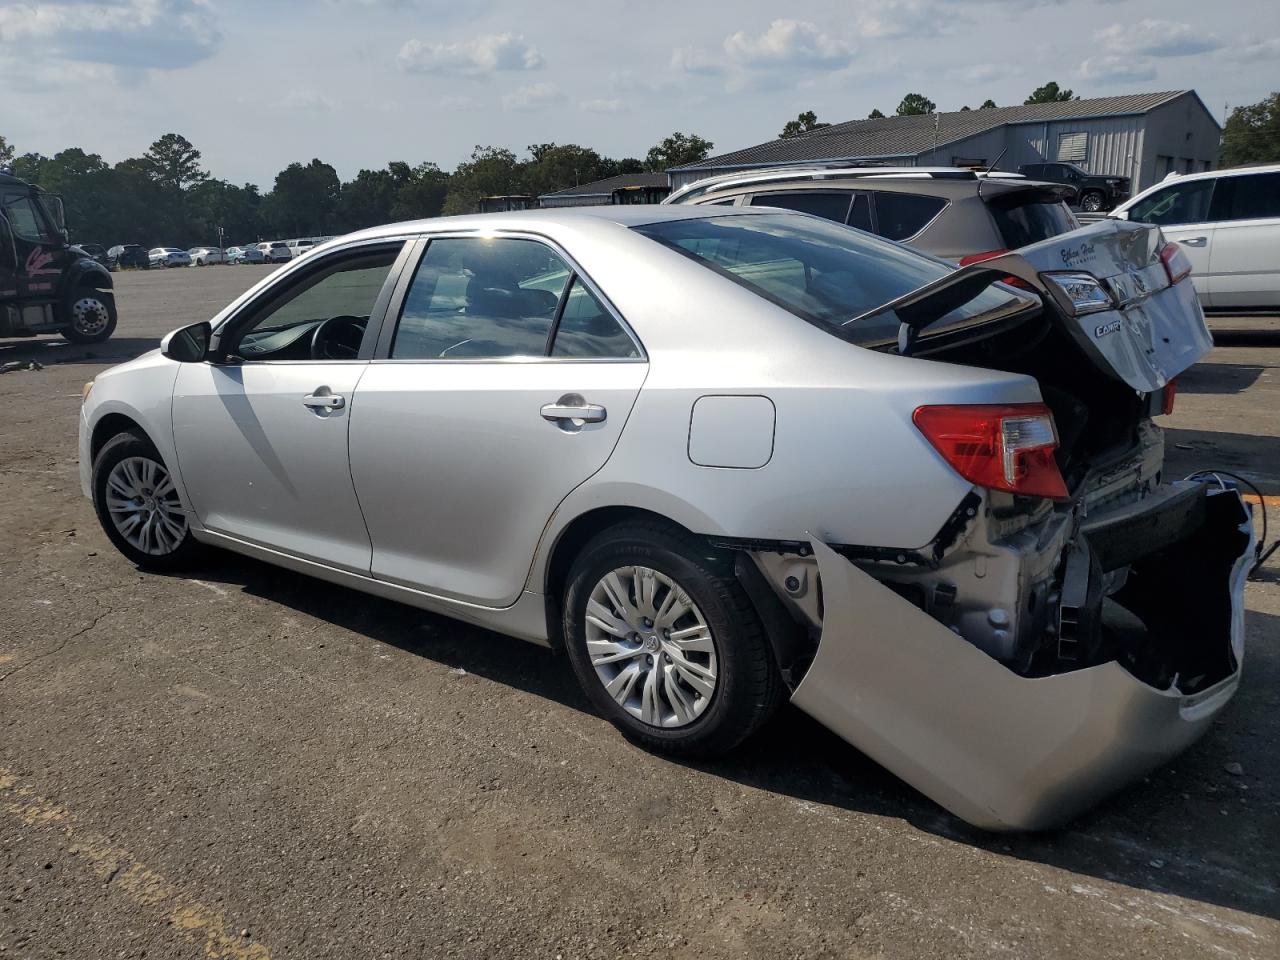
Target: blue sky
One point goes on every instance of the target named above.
(256, 84)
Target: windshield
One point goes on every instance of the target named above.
(824, 272)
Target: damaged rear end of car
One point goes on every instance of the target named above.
(1079, 618)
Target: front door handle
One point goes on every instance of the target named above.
(572, 407)
(1195, 241)
(328, 401)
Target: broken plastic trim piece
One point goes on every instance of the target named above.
(1002, 751)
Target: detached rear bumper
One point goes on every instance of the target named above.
(1000, 750)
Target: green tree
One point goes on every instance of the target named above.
(173, 162)
(558, 166)
(1049, 93)
(302, 201)
(490, 172)
(1252, 133)
(366, 200)
(218, 203)
(420, 192)
(6, 153)
(875, 114)
(988, 104)
(802, 124)
(677, 150)
(915, 104)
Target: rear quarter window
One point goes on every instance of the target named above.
(903, 215)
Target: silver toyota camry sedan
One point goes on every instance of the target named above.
(722, 458)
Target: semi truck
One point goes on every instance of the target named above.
(46, 284)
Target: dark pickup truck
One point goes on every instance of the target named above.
(1096, 193)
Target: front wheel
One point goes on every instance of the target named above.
(666, 643)
(137, 504)
(1091, 202)
(92, 316)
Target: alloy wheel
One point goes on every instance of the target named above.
(143, 504)
(89, 316)
(650, 646)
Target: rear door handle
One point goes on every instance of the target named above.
(329, 401)
(572, 407)
(1195, 241)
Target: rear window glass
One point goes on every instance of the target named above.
(903, 215)
(1021, 224)
(1249, 197)
(820, 203)
(822, 272)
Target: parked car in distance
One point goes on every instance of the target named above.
(1097, 193)
(275, 251)
(169, 257)
(742, 455)
(203, 256)
(1227, 222)
(128, 255)
(298, 247)
(246, 254)
(947, 211)
(95, 252)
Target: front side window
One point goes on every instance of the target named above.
(824, 273)
(24, 219)
(903, 215)
(1180, 203)
(339, 295)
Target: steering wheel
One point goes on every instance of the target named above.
(338, 338)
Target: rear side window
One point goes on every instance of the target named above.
(1021, 223)
(1251, 197)
(903, 215)
(588, 331)
(832, 205)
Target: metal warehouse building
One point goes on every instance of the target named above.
(1142, 136)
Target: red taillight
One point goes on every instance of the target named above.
(1176, 264)
(987, 255)
(998, 446)
(1170, 392)
(979, 257)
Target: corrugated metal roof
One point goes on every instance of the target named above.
(910, 136)
(610, 184)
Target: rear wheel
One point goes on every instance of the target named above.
(1091, 202)
(92, 315)
(137, 503)
(666, 643)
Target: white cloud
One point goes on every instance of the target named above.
(976, 73)
(532, 97)
(601, 106)
(901, 18)
(695, 61)
(1157, 38)
(1252, 51)
(306, 101)
(788, 43)
(157, 34)
(1118, 68)
(480, 55)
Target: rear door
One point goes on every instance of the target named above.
(1244, 261)
(1182, 211)
(504, 384)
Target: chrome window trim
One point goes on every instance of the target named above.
(382, 354)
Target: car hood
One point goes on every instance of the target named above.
(1154, 331)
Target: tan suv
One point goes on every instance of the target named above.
(949, 212)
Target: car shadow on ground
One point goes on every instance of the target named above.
(49, 351)
(1163, 835)
(1251, 456)
(1219, 378)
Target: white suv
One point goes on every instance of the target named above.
(1227, 222)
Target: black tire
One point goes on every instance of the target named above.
(95, 334)
(1091, 202)
(748, 685)
(118, 448)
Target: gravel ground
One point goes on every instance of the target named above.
(248, 764)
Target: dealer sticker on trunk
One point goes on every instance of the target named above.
(1100, 331)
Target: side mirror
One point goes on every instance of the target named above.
(187, 344)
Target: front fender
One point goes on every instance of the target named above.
(86, 273)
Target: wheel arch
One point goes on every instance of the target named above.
(112, 425)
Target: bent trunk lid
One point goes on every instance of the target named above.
(1153, 333)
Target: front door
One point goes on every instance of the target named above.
(262, 436)
(1181, 210)
(34, 251)
(507, 384)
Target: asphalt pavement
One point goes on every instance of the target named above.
(247, 764)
